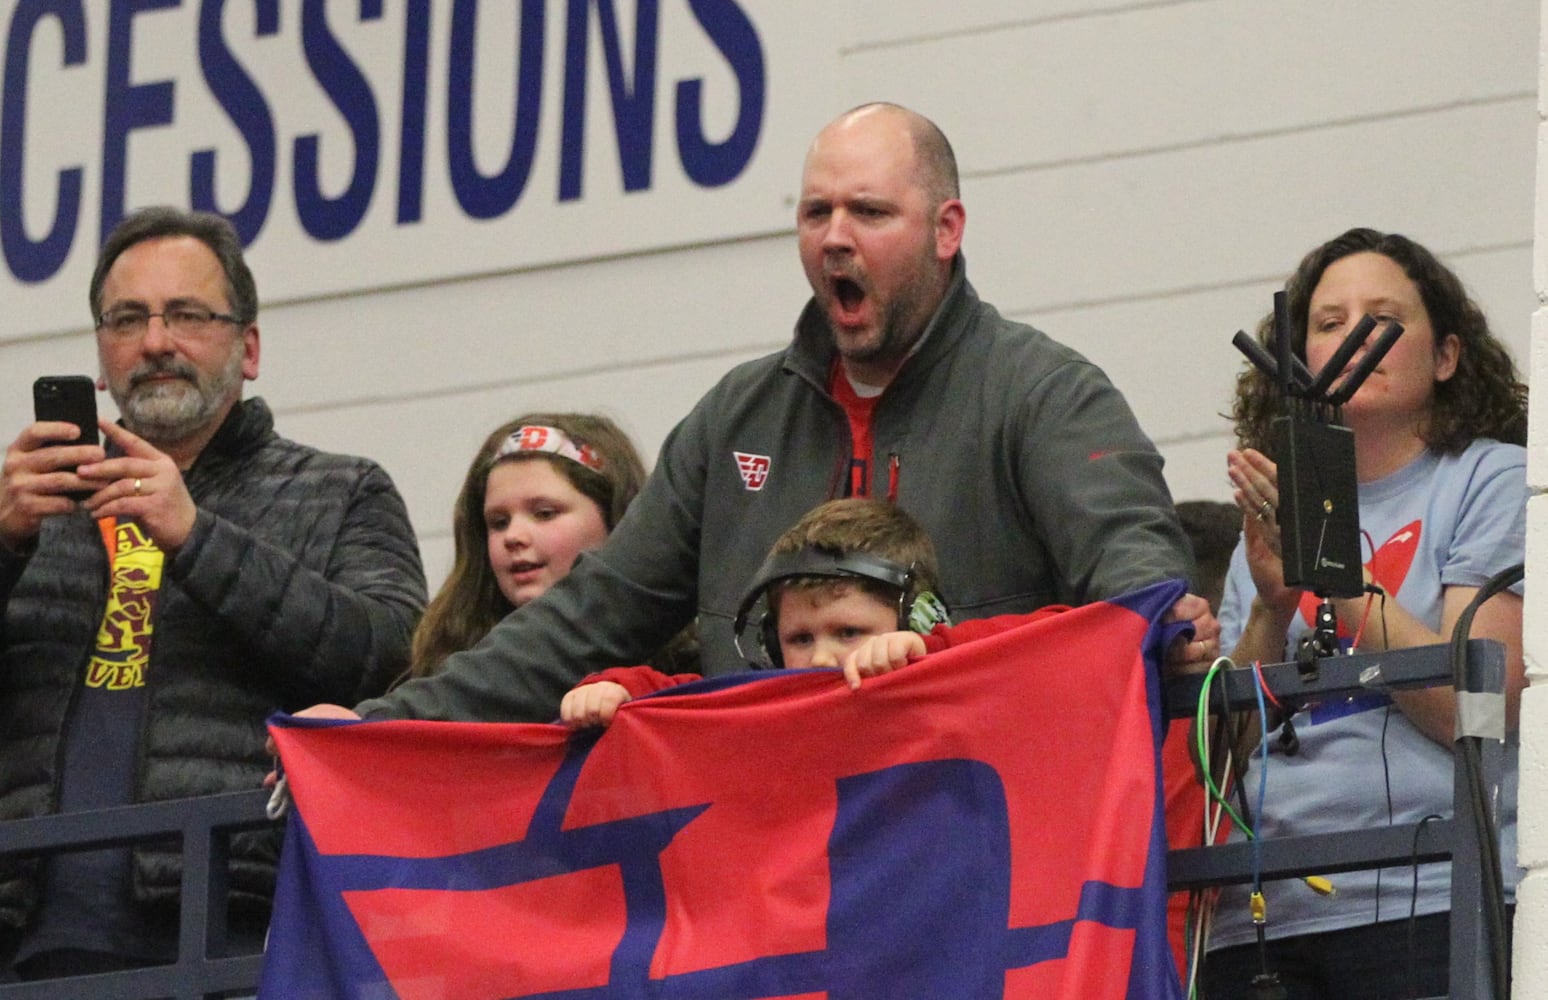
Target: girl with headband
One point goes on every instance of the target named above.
(542, 489)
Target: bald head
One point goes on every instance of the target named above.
(935, 164)
(879, 229)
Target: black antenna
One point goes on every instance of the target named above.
(1318, 511)
(1367, 364)
(1282, 337)
(1302, 376)
(1264, 361)
(1260, 358)
(1340, 358)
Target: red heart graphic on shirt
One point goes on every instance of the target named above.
(1389, 568)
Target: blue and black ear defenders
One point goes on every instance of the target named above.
(923, 614)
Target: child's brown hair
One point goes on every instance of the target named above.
(860, 525)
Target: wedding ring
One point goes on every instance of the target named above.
(136, 487)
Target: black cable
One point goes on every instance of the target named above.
(1386, 763)
(1222, 752)
(1221, 762)
(1265, 981)
(1386, 640)
(1239, 767)
(1470, 748)
(1386, 778)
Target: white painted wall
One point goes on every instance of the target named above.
(1530, 959)
(1139, 177)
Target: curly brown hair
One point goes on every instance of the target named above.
(1484, 398)
(470, 603)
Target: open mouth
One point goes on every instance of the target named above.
(848, 296)
(848, 293)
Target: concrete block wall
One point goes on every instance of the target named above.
(1530, 958)
(1139, 178)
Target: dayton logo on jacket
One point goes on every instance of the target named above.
(943, 832)
(754, 469)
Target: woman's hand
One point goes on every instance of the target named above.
(1255, 489)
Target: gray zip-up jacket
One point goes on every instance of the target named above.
(300, 583)
(1018, 456)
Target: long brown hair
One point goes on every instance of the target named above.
(1484, 398)
(470, 603)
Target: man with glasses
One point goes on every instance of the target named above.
(214, 573)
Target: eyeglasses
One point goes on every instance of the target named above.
(180, 321)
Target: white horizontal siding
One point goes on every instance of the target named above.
(1139, 177)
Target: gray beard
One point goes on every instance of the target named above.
(166, 413)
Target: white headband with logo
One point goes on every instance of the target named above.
(549, 440)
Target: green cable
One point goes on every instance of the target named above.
(1201, 721)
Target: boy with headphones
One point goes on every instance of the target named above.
(852, 573)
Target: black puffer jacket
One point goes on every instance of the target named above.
(301, 583)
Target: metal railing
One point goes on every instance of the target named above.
(1455, 839)
(204, 826)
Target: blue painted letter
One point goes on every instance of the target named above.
(485, 197)
(714, 163)
(35, 260)
(248, 111)
(323, 217)
(634, 106)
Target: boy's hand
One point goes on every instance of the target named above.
(279, 801)
(592, 704)
(324, 711)
(881, 654)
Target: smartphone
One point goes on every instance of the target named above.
(72, 399)
(69, 398)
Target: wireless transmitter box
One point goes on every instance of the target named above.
(1319, 516)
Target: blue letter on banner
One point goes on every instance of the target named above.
(634, 108)
(480, 196)
(334, 218)
(411, 126)
(714, 163)
(248, 111)
(127, 106)
(30, 260)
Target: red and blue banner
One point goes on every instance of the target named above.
(984, 823)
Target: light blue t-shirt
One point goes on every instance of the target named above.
(1443, 520)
